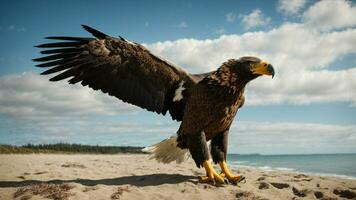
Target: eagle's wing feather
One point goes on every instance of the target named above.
(118, 67)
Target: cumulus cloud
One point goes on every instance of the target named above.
(31, 96)
(290, 7)
(254, 19)
(244, 137)
(330, 14)
(300, 56)
(282, 138)
(307, 87)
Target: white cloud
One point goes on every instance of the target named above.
(307, 87)
(31, 96)
(230, 17)
(254, 19)
(330, 14)
(282, 138)
(244, 137)
(300, 56)
(290, 7)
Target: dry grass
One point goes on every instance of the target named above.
(47, 190)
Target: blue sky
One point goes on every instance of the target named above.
(308, 108)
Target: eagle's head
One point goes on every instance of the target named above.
(252, 67)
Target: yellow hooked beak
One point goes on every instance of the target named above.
(262, 68)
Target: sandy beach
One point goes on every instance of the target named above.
(131, 176)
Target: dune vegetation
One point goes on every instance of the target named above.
(68, 148)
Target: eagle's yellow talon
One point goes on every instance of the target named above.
(211, 175)
(226, 173)
(235, 179)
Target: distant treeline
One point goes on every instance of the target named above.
(68, 148)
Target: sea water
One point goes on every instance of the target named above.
(340, 165)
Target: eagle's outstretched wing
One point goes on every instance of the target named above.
(118, 67)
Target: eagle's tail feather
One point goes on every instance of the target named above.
(167, 151)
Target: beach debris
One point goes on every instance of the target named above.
(318, 194)
(301, 176)
(73, 164)
(120, 190)
(263, 186)
(21, 177)
(39, 173)
(261, 178)
(345, 193)
(280, 185)
(300, 192)
(90, 188)
(301, 180)
(47, 190)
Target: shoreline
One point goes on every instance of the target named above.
(292, 171)
(134, 176)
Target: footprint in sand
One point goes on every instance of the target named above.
(247, 195)
(280, 185)
(261, 178)
(263, 186)
(348, 194)
(318, 194)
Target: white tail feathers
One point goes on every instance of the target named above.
(167, 151)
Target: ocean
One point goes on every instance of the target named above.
(337, 165)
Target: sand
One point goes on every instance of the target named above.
(130, 176)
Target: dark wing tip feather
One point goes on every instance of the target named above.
(123, 39)
(94, 32)
(60, 44)
(82, 39)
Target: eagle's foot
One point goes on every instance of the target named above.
(225, 173)
(233, 179)
(211, 175)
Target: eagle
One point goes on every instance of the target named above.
(205, 104)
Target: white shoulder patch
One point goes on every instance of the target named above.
(178, 93)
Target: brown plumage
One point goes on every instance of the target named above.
(205, 103)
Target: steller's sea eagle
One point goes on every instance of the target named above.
(206, 104)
